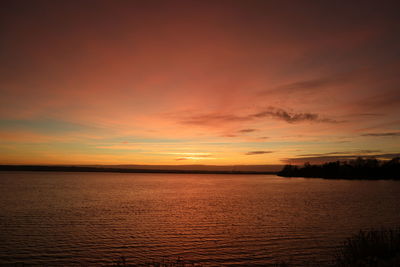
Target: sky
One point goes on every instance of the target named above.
(198, 82)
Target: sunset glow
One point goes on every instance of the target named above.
(197, 82)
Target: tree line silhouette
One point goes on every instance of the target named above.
(360, 168)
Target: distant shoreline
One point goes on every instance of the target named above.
(46, 168)
(357, 169)
(355, 178)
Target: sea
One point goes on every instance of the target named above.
(111, 219)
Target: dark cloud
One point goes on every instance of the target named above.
(382, 134)
(270, 112)
(247, 130)
(291, 117)
(258, 152)
(328, 158)
(286, 116)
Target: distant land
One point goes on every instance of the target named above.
(206, 169)
(360, 168)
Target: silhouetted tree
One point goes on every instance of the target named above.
(354, 169)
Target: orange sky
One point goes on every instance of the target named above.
(198, 82)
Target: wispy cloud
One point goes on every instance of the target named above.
(384, 99)
(258, 152)
(247, 130)
(229, 135)
(311, 85)
(209, 119)
(195, 158)
(327, 158)
(190, 154)
(286, 116)
(382, 134)
(270, 112)
(340, 153)
(366, 115)
(291, 117)
(307, 84)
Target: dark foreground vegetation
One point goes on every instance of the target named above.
(369, 169)
(372, 248)
(45, 168)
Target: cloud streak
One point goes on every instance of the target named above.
(211, 119)
(311, 85)
(327, 158)
(291, 117)
(250, 153)
(270, 112)
(386, 134)
(247, 130)
(340, 153)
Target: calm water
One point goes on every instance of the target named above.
(94, 218)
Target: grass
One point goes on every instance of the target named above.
(379, 248)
